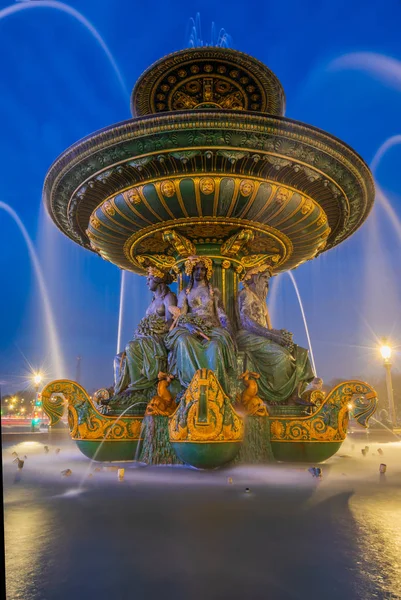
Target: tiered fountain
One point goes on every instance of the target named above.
(209, 168)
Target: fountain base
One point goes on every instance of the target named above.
(216, 434)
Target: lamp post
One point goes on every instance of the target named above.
(385, 351)
(37, 379)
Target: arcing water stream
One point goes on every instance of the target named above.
(54, 343)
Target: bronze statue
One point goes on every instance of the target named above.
(145, 356)
(201, 334)
(284, 368)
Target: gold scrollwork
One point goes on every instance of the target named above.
(181, 244)
(237, 241)
(205, 413)
(258, 263)
(192, 261)
(85, 421)
(161, 262)
(329, 422)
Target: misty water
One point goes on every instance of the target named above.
(292, 534)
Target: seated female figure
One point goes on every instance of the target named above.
(201, 336)
(145, 355)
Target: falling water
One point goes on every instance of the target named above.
(384, 68)
(56, 357)
(64, 8)
(395, 140)
(388, 71)
(304, 318)
(121, 310)
(221, 39)
(25, 5)
(272, 298)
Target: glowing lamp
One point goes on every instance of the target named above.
(385, 351)
(37, 378)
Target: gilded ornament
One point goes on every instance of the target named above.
(155, 272)
(246, 187)
(182, 101)
(237, 242)
(329, 422)
(205, 414)
(258, 263)
(109, 208)
(226, 264)
(160, 263)
(192, 261)
(253, 405)
(321, 220)
(163, 403)
(133, 196)
(181, 244)
(282, 195)
(168, 189)
(307, 206)
(207, 185)
(233, 101)
(84, 419)
(95, 223)
(193, 86)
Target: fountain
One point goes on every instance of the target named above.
(57, 367)
(209, 185)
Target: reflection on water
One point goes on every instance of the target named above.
(379, 536)
(293, 534)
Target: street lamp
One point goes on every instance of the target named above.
(385, 351)
(37, 379)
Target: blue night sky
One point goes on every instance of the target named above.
(340, 65)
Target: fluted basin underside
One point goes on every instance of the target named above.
(209, 173)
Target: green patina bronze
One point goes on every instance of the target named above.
(104, 451)
(206, 456)
(209, 185)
